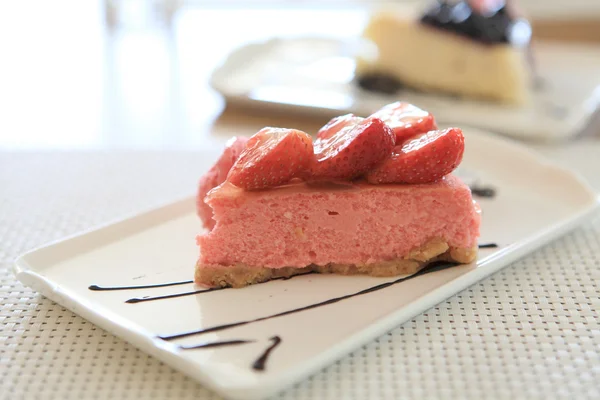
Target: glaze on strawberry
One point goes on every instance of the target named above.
(350, 153)
(273, 157)
(343, 122)
(406, 120)
(424, 159)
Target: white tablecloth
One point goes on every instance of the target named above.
(530, 331)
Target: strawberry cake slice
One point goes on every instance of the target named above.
(369, 196)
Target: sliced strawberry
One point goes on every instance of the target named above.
(345, 122)
(217, 175)
(423, 159)
(406, 120)
(273, 156)
(350, 153)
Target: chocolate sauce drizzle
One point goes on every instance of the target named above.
(434, 267)
(483, 191)
(260, 363)
(210, 345)
(170, 296)
(106, 288)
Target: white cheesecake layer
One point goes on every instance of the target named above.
(431, 59)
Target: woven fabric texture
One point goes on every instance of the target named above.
(530, 331)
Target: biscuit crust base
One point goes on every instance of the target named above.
(240, 275)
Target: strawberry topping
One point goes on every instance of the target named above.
(406, 120)
(397, 144)
(345, 122)
(273, 157)
(352, 150)
(423, 159)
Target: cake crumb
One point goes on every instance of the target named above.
(299, 233)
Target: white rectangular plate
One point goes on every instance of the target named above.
(534, 203)
(315, 75)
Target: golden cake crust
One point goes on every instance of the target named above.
(240, 275)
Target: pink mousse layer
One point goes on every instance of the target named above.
(302, 224)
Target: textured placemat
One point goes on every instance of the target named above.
(530, 331)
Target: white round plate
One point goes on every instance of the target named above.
(316, 75)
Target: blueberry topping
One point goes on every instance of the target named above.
(496, 26)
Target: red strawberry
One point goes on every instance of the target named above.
(423, 159)
(345, 122)
(406, 120)
(273, 156)
(350, 153)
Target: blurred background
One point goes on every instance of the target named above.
(134, 74)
